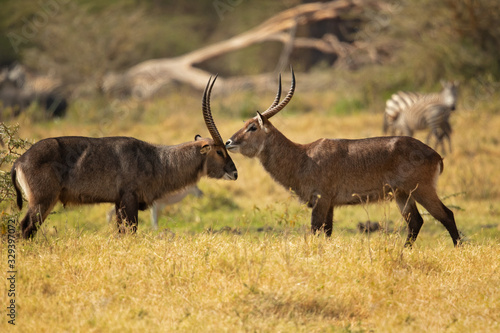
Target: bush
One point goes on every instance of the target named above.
(414, 44)
(11, 149)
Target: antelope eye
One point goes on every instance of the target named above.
(220, 153)
(252, 128)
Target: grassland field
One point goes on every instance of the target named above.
(241, 258)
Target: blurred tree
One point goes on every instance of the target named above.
(80, 40)
(145, 78)
(412, 44)
(388, 45)
(342, 27)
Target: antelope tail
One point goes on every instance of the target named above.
(13, 174)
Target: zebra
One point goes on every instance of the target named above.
(407, 112)
(398, 102)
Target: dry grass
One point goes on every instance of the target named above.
(78, 275)
(97, 282)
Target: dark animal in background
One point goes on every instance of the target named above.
(368, 226)
(125, 171)
(11, 93)
(19, 89)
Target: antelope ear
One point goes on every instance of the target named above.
(260, 119)
(197, 137)
(205, 149)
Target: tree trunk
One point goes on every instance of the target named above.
(144, 79)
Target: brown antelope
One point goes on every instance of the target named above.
(333, 172)
(125, 171)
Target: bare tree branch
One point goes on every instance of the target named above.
(144, 79)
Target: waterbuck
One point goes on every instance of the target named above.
(333, 172)
(125, 171)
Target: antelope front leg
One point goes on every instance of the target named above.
(322, 217)
(127, 211)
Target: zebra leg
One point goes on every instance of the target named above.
(440, 142)
(428, 139)
(439, 134)
(444, 134)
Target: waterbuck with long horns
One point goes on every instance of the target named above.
(125, 171)
(333, 172)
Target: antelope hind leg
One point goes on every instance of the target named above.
(35, 216)
(408, 209)
(429, 199)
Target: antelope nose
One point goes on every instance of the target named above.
(235, 172)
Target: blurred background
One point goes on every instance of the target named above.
(138, 68)
(363, 51)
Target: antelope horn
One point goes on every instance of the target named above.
(278, 95)
(207, 113)
(273, 109)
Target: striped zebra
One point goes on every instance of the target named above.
(407, 112)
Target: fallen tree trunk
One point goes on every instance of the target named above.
(144, 79)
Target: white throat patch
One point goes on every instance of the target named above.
(261, 148)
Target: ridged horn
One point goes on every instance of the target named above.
(207, 113)
(277, 108)
(278, 95)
